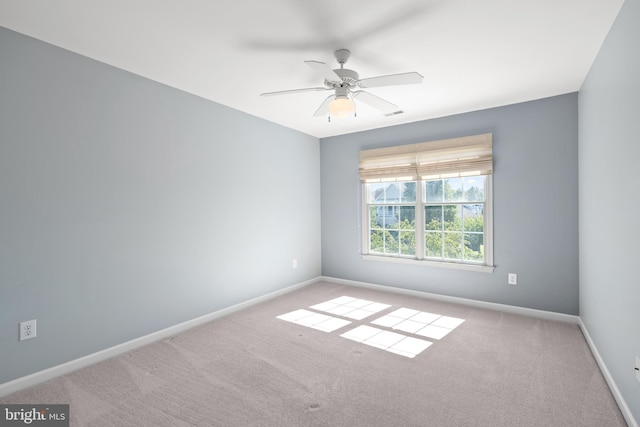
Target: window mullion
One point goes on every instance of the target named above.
(488, 220)
(462, 248)
(419, 215)
(442, 230)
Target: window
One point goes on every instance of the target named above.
(392, 214)
(454, 219)
(429, 202)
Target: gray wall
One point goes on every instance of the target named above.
(535, 206)
(609, 205)
(127, 206)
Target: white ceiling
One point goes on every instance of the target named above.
(473, 54)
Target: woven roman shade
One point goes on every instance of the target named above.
(465, 156)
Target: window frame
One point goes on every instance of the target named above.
(419, 258)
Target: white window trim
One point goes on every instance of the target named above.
(481, 268)
(487, 267)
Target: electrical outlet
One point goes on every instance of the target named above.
(27, 330)
(638, 368)
(294, 263)
(513, 279)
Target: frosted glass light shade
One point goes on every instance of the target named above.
(341, 107)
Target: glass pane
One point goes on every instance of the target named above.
(473, 217)
(392, 193)
(474, 246)
(391, 245)
(376, 239)
(390, 216)
(433, 244)
(375, 220)
(453, 246)
(433, 190)
(408, 191)
(376, 192)
(452, 217)
(407, 217)
(453, 190)
(474, 189)
(433, 218)
(408, 242)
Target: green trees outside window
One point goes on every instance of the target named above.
(453, 218)
(392, 218)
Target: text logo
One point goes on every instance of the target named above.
(34, 415)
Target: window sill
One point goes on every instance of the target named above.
(435, 264)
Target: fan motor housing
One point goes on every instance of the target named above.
(349, 77)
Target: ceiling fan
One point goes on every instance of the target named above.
(344, 83)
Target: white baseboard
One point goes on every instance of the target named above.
(548, 315)
(622, 404)
(55, 371)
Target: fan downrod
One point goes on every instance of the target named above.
(349, 77)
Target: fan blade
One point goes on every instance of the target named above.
(391, 80)
(325, 71)
(385, 106)
(285, 92)
(323, 109)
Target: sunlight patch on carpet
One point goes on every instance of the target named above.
(352, 308)
(387, 340)
(318, 321)
(420, 323)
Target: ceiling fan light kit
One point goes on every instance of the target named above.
(343, 81)
(341, 106)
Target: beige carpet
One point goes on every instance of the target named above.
(253, 369)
